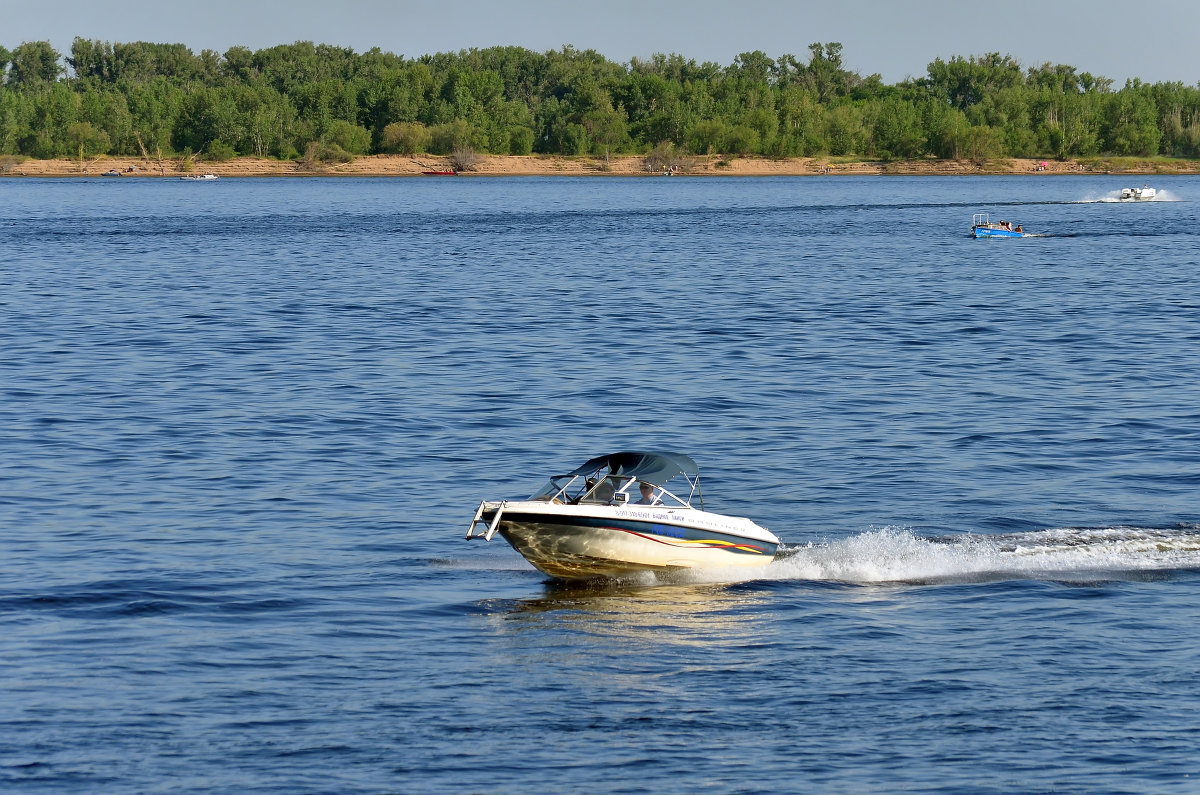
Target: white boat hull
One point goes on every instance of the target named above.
(1138, 194)
(569, 542)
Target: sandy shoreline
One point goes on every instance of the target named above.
(555, 165)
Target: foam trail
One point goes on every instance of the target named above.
(1115, 198)
(898, 555)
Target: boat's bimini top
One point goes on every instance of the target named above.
(656, 468)
(612, 476)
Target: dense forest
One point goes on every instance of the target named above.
(328, 102)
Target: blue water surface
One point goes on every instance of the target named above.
(244, 425)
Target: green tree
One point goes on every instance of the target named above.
(91, 58)
(220, 151)
(208, 115)
(947, 131)
(155, 109)
(34, 62)
(606, 130)
(896, 129)
(742, 140)
(1130, 125)
(520, 141)
(801, 121)
(1069, 124)
(985, 142)
(845, 130)
(708, 137)
(238, 65)
(765, 124)
(452, 136)
(88, 140)
(825, 75)
(753, 67)
(964, 82)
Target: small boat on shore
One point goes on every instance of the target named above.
(112, 173)
(440, 173)
(1142, 194)
(586, 524)
(982, 226)
(199, 177)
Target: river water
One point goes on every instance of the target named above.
(244, 425)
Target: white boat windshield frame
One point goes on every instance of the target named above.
(600, 483)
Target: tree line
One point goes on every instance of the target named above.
(317, 100)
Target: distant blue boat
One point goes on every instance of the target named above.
(981, 226)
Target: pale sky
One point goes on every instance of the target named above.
(1155, 40)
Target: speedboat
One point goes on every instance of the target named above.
(1142, 194)
(199, 177)
(622, 514)
(982, 226)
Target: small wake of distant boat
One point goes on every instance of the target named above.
(1132, 196)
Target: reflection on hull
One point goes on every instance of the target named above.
(616, 549)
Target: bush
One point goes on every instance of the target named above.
(88, 140)
(464, 159)
(574, 140)
(708, 137)
(662, 158)
(322, 153)
(520, 141)
(220, 151)
(405, 138)
(742, 140)
(348, 137)
(447, 138)
(9, 162)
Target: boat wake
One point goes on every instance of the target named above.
(1114, 197)
(1060, 554)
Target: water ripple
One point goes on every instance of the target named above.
(244, 429)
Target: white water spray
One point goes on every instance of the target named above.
(1114, 197)
(897, 555)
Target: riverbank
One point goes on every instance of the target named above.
(557, 165)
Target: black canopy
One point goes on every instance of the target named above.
(657, 468)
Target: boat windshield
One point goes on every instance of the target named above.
(609, 490)
(628, 478)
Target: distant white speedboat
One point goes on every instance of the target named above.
(1142, 194)
(199, 177)
(614, 516)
